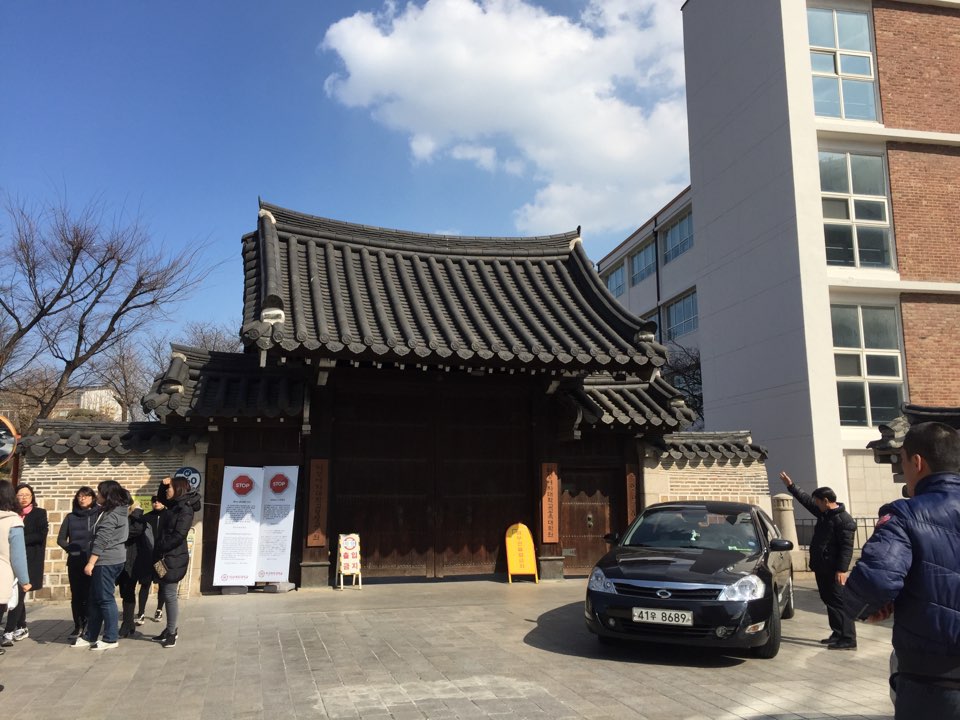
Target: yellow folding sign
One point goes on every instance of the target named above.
(521, 558)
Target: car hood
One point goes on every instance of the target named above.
(678, 565)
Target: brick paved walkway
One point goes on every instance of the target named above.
(430, 650)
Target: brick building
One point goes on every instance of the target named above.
(812, 261)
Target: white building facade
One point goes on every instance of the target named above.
(813, 260)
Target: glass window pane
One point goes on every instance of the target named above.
(836, 209)
(873, 244)
(885, 400)
(853, 406)
(859, 102)
(822, 62)
(880, 328)
(868, 175)
(853, 31)
(882, 365)
(833, 172)
(839, 241)
(855, 65)
(820, 27)
(846, 329)
(869, 210)
(826, 96)
(848, 365)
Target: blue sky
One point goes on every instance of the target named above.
(483, 118)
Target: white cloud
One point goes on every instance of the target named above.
(591, 108)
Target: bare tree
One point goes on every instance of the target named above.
(72, 286)
(219, 337)
(683, 372)
(124, 371)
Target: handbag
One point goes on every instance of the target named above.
(160, 568)
(14, 595)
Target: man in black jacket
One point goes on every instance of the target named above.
(831, 550)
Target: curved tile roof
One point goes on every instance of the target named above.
(61, 437)
(886, 450)
(343, 290)
(699, 446)
(631, 404)
(222, 384)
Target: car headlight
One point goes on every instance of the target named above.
(746, 588)
(600, 583)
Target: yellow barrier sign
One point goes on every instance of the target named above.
(521, 558)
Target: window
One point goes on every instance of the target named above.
(842, 64)
(866, 354)
(614, 281)
(643, 263)
(678, 238)
(681, 316)
(856, 217)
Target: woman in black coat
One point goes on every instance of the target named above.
(75, 538)
(171, 547)
(35, 528)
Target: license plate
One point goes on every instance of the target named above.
(662, 617)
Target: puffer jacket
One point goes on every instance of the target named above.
(171, 544)
(831, 548)
(913, 559)
(76, 531)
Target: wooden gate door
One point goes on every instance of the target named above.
(586, 500)
(383, 482)
(483, 483)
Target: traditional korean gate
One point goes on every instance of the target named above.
(587, 504)
(431, 480)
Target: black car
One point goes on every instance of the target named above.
(695, 572)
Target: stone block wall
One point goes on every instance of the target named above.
(55, 481)
(666, 479)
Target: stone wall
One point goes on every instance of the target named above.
(55, 480)
(666, 479)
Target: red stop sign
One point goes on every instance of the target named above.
(242, 485)
(279, 483)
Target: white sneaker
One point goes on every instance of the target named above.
(21, 634)
(81, 643)
(104, 645)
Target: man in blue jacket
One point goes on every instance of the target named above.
(910, 568)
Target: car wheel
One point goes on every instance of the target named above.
(788, 609)
(772, 646)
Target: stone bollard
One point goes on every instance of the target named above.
(785, 520)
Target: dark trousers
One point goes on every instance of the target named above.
(17, 618)
(831, 593)
(79, 588)
(918, 698)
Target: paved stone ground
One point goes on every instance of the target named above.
(446, 650)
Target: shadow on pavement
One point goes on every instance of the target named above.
(562, 631)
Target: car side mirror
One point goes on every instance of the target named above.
(780, 545)
(613, 538)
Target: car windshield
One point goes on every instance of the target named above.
(694, 527)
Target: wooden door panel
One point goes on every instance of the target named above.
(585, 516)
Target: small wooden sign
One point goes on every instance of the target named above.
(550, 502)
(317, 504)
(521, 558)
(631, 493)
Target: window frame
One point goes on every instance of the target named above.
(864, 378)
(620, 288)
(670, 330)
(850, 198)
(638, 275)
(836, 51)
(671, 251)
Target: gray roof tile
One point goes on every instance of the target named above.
(61, 437)
(345, 290)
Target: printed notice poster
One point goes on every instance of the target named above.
(239, 533)
(276, 522)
